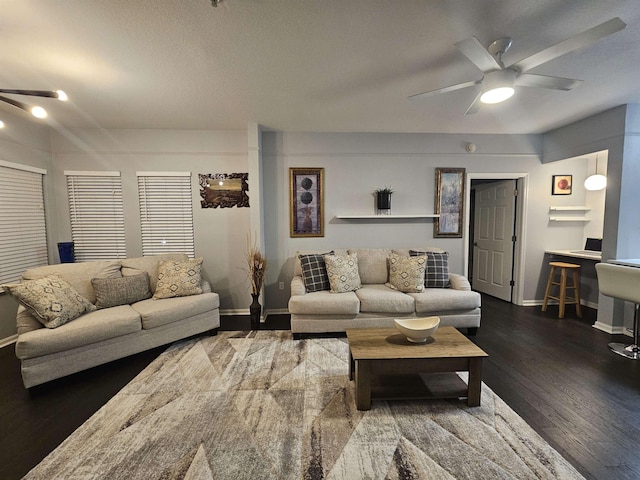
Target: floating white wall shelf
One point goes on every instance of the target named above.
(580, 208)
(386, 217)
(569, 219)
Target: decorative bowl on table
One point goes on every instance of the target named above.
(417, 330)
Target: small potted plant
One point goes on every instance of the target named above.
(383, 200)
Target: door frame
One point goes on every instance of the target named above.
(520, 229)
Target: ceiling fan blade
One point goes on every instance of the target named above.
(582, 39)
(450, 88)
(545, 81)
(475, 105)
(479, 55)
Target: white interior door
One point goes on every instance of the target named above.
(493, 237)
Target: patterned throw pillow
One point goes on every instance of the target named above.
(406, 273)
(314, 271)
(111, 292)
(437, 271)
(51, 300)
(343, 274)
(178, 279)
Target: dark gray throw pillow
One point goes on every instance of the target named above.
(314, 271)
(111, 292)
(437, 269)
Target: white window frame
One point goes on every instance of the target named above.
(23, 230)
(96, 211)
(166, 212)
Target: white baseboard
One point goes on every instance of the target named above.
(538, 303)
(8, 341)
(613, 330)
(277, 311)
(235, 311)
(531, 303)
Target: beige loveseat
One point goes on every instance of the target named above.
(375, 304)
(113, 332)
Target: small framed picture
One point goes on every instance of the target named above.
(561, 184)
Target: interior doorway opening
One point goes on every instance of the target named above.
(494, 234)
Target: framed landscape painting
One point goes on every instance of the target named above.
(306, 194)
(449, 202)
(224, 190)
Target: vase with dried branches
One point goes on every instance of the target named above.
(256, 268)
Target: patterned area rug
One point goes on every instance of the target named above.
(260, 405)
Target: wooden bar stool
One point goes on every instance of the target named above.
(562, 297)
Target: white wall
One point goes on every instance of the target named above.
(220, 233)
(25, 141)
(356, 164)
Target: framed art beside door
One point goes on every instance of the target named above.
(306, 196)
(561, 184)
(449, 202)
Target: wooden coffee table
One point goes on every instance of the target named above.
(386, 365)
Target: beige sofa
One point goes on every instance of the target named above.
(375, 304)
(109, 333)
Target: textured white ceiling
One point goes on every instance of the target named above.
(307, 65)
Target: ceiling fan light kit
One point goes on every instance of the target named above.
(498, 86)
(499, 81)
(36, 110)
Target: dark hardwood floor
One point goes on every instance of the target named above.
(557, 374)
(560, 376)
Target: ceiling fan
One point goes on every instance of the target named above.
(499, 81)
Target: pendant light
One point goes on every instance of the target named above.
(595, 181)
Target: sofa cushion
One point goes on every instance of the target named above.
(155, 313)
(437, 271)
(405, 251)
(91, 328)
(326, 303)
(297, 268)
(445, 299)
(178, 279)
(382, 299)
(111, 292)
(51, 300)
(372, 264)
(343, 272)
(406, 274)
(78, 275)
(314, 272)
(149, 264)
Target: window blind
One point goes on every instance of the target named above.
(23, 234)
(166, 212)
(97, 215)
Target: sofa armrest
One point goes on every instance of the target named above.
(297, 286)
(459, 282)
(205, 286)
(25, 322)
